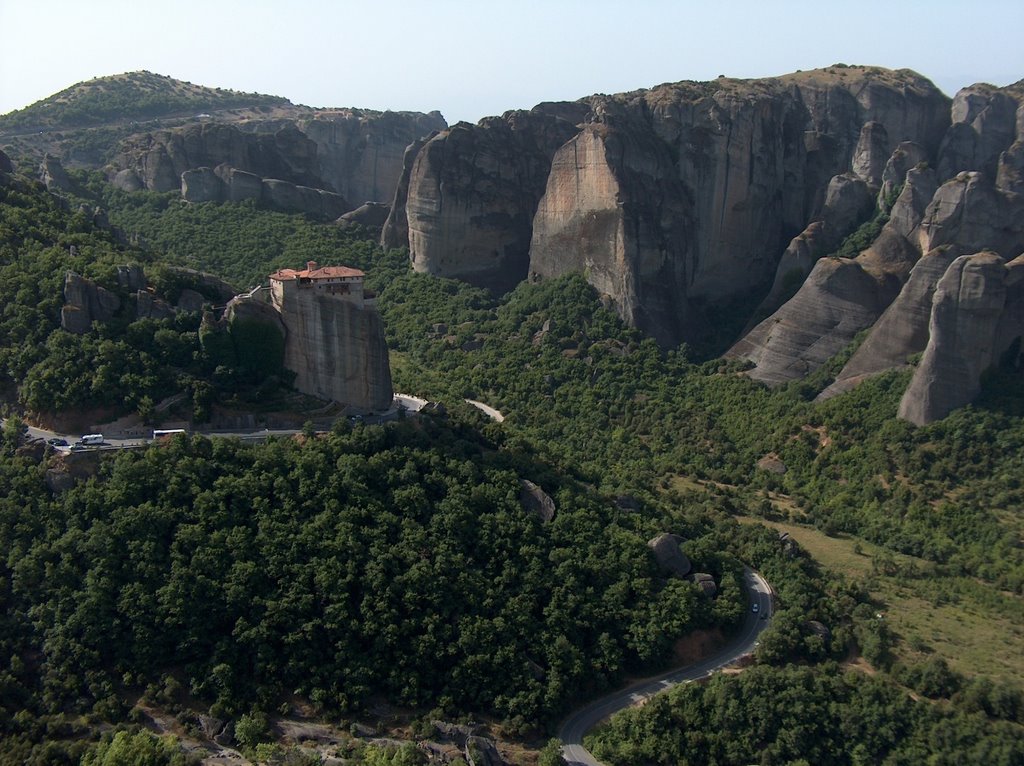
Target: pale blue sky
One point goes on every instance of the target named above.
(474, 58)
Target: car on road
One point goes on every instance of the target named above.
(56, 441)
(755, 608)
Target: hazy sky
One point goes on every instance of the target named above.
(474, 58)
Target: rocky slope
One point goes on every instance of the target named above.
(973, 204)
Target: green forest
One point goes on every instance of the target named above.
(397, 561)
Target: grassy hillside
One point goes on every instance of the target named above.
(133, 96)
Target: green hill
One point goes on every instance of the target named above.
(133, 96)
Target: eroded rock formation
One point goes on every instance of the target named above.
(976, 208)
(472, 192)
(316, 164)
(664, 198)
(966, 310)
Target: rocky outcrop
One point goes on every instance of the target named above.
(841, 297)
(972, 212)
(902, 330)
(360, 153)
(148, 306)
(705, 583)
(667, 198)
(395, 232)
(670, 557)
(872, 154)
(905, 158)
(848, 202)
(472, 192)
(371, 215)
(226, 183)
(983, 126)
(54, 177)
(336, 350)
(838, 300)
(966, 311)
(6, 166)
(86, 302)
(535, 500)
(354, 154)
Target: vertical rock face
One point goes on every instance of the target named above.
(360, 155)
(395, 232)
(966, 214)
(971, 211)
(472, 192)
(871, 154)
(611, 212)
(848, 201)
(354, 154)
(86, 302)
(680, 194)
(841, 297)
(337, 350)
(902, 330)
(983, 126)
(966, 310)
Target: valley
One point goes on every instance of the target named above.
(650, 338)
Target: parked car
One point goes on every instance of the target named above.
(56, 441)
(755, 608)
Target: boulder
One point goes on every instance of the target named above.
(226, 737)
(370, 215)
(480, 751)
(131, 277)
(670, 557)
(149, 306)
(772, 463)
(966, 309)
(536, 501)
(211, 726)
(201, 185)
(85, 303)
(705, 583)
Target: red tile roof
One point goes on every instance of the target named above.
(327, 272)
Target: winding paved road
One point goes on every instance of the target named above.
(583, 720)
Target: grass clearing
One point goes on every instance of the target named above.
(977, 629)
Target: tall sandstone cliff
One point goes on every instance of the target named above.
(319, 161)
(337, 350)
(664, 198)
(972, 203)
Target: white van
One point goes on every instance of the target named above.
(92, 439)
